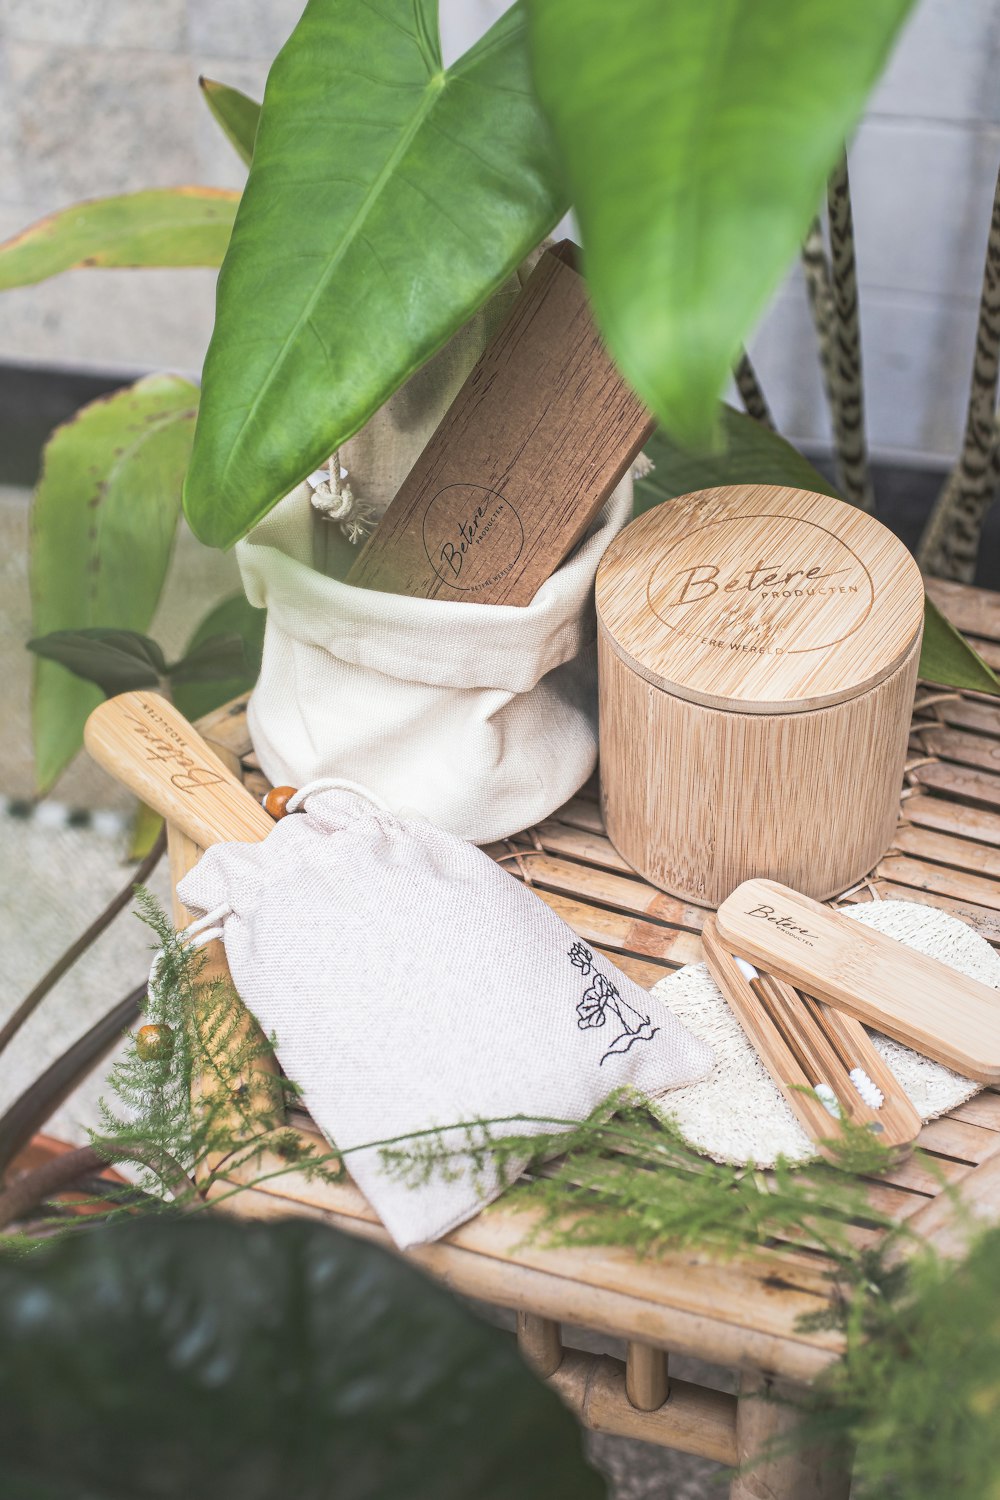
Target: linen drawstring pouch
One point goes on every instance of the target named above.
(481, 717)
(412, 984)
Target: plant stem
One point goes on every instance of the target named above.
(816, 268)
(849, 413)
(121, 1194)
(754, 402)
(64, 1172)
(950, 544)
(30, 1110)
(66, 961)
(52, 1177)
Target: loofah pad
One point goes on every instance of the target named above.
(737, 1115)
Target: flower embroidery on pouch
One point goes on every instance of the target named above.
(581, 958)
(602, 997)
(591, 1009)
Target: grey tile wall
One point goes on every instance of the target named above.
(101, 96)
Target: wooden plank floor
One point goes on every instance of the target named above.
(946, 852)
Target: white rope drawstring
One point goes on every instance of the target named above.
(335, 501)
(195, 935)
(334, 784)
(207, 928)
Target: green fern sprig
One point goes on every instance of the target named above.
(621, 1177)
(196, 1117)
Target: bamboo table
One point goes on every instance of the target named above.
(743, 1314)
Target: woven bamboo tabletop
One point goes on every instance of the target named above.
(743, 1313)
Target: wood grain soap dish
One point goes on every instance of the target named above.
(803, 981)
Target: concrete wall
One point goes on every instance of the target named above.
(101, 96)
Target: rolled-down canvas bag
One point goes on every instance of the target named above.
(481, 717)
(411, 985)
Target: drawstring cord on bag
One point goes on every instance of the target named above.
(195, 935)
(207, 928)
(335, 501)
(334, 784)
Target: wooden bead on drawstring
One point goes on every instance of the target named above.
(277, 799)
(154, 1043)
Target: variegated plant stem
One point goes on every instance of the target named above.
(950, 542)
(754, 402)
(816, 267)
(849, 409)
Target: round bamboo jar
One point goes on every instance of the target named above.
(758, 653)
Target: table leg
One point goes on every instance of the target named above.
(647, 1382)
(766, 1416)
(540, 1341)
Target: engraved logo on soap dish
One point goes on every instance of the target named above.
(762, 585)
(472, 536)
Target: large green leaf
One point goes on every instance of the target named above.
(103, 523)
(388, 197)
(748, 454)
(752, 454)
(224, 1361)
(237, 114)
(946, 656)
(233, 618)
(698, 136)
(185, 226)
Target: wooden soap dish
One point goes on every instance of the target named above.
(919, 1001)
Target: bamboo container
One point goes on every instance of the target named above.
(758, 652)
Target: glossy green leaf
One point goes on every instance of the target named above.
(211, 1358)
(698, 137)
(118, 661)
(185, 226)
(388, 197)
(752, 454)
(947, 658)
(234, 620)
(103, 523)
(237, 114)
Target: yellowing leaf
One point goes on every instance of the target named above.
(185, 226)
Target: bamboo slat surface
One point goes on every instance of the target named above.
(745, 1313)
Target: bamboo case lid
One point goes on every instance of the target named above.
(759, 599)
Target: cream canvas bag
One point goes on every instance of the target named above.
(480, 717)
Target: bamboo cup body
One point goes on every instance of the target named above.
(775, 746)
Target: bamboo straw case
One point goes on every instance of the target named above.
(758, 655)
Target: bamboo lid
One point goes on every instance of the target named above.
(759, 599)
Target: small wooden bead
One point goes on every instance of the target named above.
(277, 799)
(154, 1043)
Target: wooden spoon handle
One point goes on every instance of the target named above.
(144, 742)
